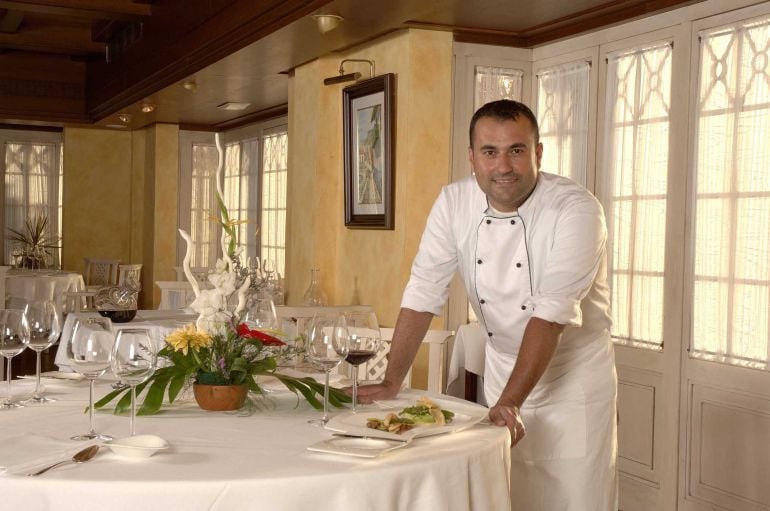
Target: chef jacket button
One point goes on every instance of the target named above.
(489, 221)
(482, 301)
(513, 222)
(479, 261)
(523, 307)
(518, 265)
(489, 334)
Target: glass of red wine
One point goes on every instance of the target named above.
(364, 332)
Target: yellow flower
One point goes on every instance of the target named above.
(188, 337)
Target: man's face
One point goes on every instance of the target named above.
(506, 159)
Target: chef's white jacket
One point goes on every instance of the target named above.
(546, 260)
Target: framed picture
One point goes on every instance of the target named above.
(368, 147)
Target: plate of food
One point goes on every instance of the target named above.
(425, 417)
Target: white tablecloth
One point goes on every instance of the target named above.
(222, 461)
(159, 323)
(25, 285)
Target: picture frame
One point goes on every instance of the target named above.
(368, 111)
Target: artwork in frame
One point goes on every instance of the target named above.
(368, 144)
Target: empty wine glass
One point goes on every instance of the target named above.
(326, 346)
(364, 342)
(89, 351)
(261, 314)
(133, 361)
(44, 328)
(14, 336)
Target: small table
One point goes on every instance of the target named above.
(468, 356)
(23, 285)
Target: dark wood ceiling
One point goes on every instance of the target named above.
(88, 61)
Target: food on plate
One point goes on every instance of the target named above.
(424, 413)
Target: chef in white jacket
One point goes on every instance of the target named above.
(530, 248)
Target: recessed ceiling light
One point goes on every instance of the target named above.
(125, 118)
(190, 85)
(147, 107)
(233, 106)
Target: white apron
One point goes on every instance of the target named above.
(564, 462)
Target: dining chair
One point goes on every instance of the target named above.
(100, 272)
(174, 294)
(438, 348)
(293, 319)
(130, 275)
(201, 273)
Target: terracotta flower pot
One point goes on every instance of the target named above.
(217, 398)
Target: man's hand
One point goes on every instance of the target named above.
(370, 393)
(504, 415)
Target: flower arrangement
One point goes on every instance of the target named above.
(219, 349)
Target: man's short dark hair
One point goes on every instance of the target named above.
(505, 110)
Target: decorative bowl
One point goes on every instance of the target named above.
(139, 446)
(119, 316)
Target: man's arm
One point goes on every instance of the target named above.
(411, 327)
(538, 345)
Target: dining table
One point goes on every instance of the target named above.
(23, 285)
(256, 458)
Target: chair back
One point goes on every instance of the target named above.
(130, 275)
(100, 272)
(293, 320)
(438, 349)
(201, 273)
(174, 295)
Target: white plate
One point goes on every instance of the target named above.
(359, 447)
(355, 423)
(139, 446)
(61, 375)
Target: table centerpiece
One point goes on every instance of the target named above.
(220, 350)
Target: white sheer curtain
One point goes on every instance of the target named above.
(493, 83)
(636, 166)
(32, 180)
(731, 274)
(562, 113)
(274, 178)
(241, 188)
(204, 228)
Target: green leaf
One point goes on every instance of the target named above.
(109, 397)
(175, 386)
(154, 398)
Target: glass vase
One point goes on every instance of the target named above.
(315, 296)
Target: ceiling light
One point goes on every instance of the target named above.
(117, 126)
(125, 118)
(148, 107)
(231, 105)
(327, 22)
(190, 85)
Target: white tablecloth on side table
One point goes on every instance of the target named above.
(159, 323)
(223, 461)
(468, 354)
(26, 285)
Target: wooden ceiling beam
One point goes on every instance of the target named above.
(61, 39)
(86, 9)
(10, 21)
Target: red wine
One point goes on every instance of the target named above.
(358, 357)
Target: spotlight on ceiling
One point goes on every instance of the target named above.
(125, 118)
(327, 22)
(147, 107)
(190, 85)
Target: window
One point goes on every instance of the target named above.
(493, 83)
(253, 188)
(637, 132)
(731, 274)
(33, 175)
(562, 114)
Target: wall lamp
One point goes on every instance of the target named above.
(343, 77)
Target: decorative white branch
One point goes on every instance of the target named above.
(186, 263)
(242, 296)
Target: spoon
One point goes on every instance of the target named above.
(79, 457)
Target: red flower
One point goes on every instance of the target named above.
(267, 340)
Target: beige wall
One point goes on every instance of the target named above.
(378, 261)
(120, 199)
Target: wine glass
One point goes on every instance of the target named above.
(44, 329)
(89, 351)
(364, 342)
(14, 337)
(326, 346)
(262, 314)
(133, 361)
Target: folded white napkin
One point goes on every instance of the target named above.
(22, 454)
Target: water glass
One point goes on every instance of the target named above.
(44, 328)
(327, 346)
(14, 337)
(133, 361)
